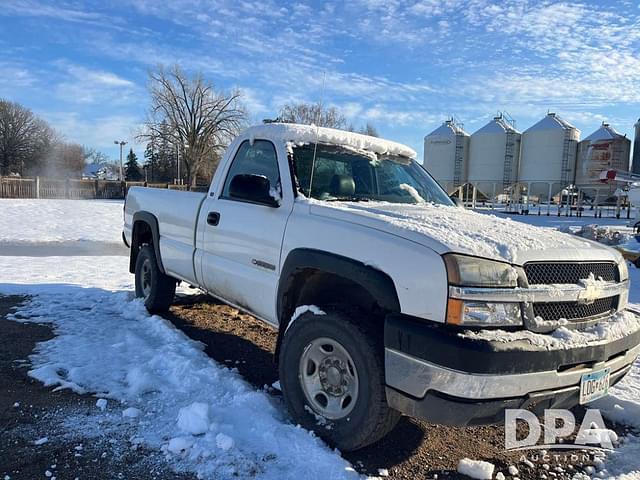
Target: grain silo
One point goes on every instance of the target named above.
(635, 167)
(494, 152)
(446, 153)
(548, 156)
(604, 149)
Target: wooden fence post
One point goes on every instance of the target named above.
(37, 187)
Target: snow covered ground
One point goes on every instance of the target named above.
(202, 415)
(175, 399)
(28, 221)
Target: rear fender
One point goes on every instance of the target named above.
(142, 223)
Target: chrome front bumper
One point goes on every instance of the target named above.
(433, 372)
(416, 377)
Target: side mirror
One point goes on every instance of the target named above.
(457, 202)
(252, 188)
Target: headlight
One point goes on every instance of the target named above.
(477, 272)
(483, 314)
(464, 271)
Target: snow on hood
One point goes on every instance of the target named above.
(301, 134)
(446, 228)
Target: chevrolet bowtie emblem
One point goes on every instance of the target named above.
(590, 294)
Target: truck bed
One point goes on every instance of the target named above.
(177, 214)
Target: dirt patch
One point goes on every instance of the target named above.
(30, 413)
(415, 449)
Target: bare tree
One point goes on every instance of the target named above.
(369, 129)
(68, 160)
(91, 156)
(24, 139)
(201, 120)
(312, 114)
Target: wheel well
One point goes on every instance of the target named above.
(311, 286)
(141, 235)
(315, 287)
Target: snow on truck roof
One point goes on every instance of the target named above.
(301, 134)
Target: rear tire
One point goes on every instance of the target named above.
(156, 288)
(332, 379)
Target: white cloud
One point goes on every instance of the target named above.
(98, 132)
(14, 76)
(401, 64)
(81, 84)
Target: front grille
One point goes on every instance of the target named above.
(573, 310)
(548, 273)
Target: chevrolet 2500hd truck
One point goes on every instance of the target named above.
(388, 299)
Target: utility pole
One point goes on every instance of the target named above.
(178, 165)
(122, 143)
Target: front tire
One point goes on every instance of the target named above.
(156, 288)
(332, 379)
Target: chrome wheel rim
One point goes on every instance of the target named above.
(145, 280)
(329, 378)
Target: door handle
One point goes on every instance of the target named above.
(213, 218)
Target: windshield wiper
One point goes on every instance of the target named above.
(348, 199)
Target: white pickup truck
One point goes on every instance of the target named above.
(389, 299)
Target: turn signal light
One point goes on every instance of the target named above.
(454, 311)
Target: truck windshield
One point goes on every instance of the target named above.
(343, 174)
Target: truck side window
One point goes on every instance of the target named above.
(257, 159)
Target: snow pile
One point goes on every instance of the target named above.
(454, 228)
(607, 235)
(476, 469)
(301, 134)
(38, 221)
(194, 419)
(618, 326)
(622, 463)
(130, 412)
(160, 386)
(205, 417)
(623, 403)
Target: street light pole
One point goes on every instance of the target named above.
(178, 165)
(122, 143)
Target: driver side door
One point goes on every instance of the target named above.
(242, 239)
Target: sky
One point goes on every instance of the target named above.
(403, 66)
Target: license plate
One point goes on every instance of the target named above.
(594, 385)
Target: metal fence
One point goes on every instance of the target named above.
(545, 198)
(40, 187)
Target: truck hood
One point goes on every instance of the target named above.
(452, 229)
